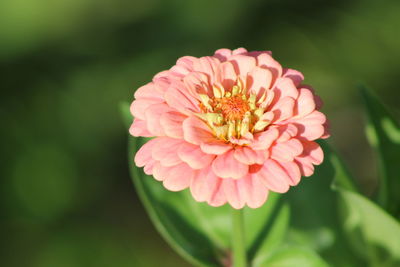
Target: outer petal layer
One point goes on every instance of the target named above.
(226, 166)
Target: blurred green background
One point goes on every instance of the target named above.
(66, 196)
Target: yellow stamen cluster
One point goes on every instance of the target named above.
(234, 113)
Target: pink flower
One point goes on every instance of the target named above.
(231, 127)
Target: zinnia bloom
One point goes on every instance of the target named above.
(231, 127)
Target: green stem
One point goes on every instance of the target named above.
(238, 242)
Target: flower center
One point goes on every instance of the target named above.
(233, 114)
(232, 108)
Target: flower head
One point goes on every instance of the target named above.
(231, 127)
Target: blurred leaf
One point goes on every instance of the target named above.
(314, 193)
(172, 215)
(383, 133)
(260, 222)
(216, 221)
(342, 177)
(314, 217)
(125, 114)
(197, 231)
(275, 235)
(291, 256)
(373, 232)
(317, 239)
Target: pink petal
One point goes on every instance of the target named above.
(305, 166)
(243, 64)
(253, 191)
(144, 153)
(195, 131)
(215, 147)
(284, 87)
(201, 187)
(249, 156)
(313, 152)
(268, 100)
(148, 91)
(305, 103)
(162, 74)
(239, 51)
(232, 193)
(226, 166)
(179, 177)
(227, 75)
(179, 98)
(311, 127)
(286, 132)
(139, 128)
(218, 197)
(162, 81)
(172, 122)
(179, 70)
(193, 156)
(207, 65)
(166, 151)
(264, 140)
(296, 76)
(206, 186)
(160, 172)
(148, 168)
(273, 176)
(223, 54)
(257, 53)
(259, 80)
(153, 115)
(244, 140)
(165, 78)
(293, 172)
(139, 106)
(283, 109)
(197, 83)
(186, 62)
(286, 151)
(265, 60)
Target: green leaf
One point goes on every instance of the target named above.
(259, 222)
(126, 115)
(314, 210)
(313, 202)
(170, 214)
(198, 232)
(217, 221)
(372, 231)
(291, 256)
(383, 133)
(274, 237)
(342, 177)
